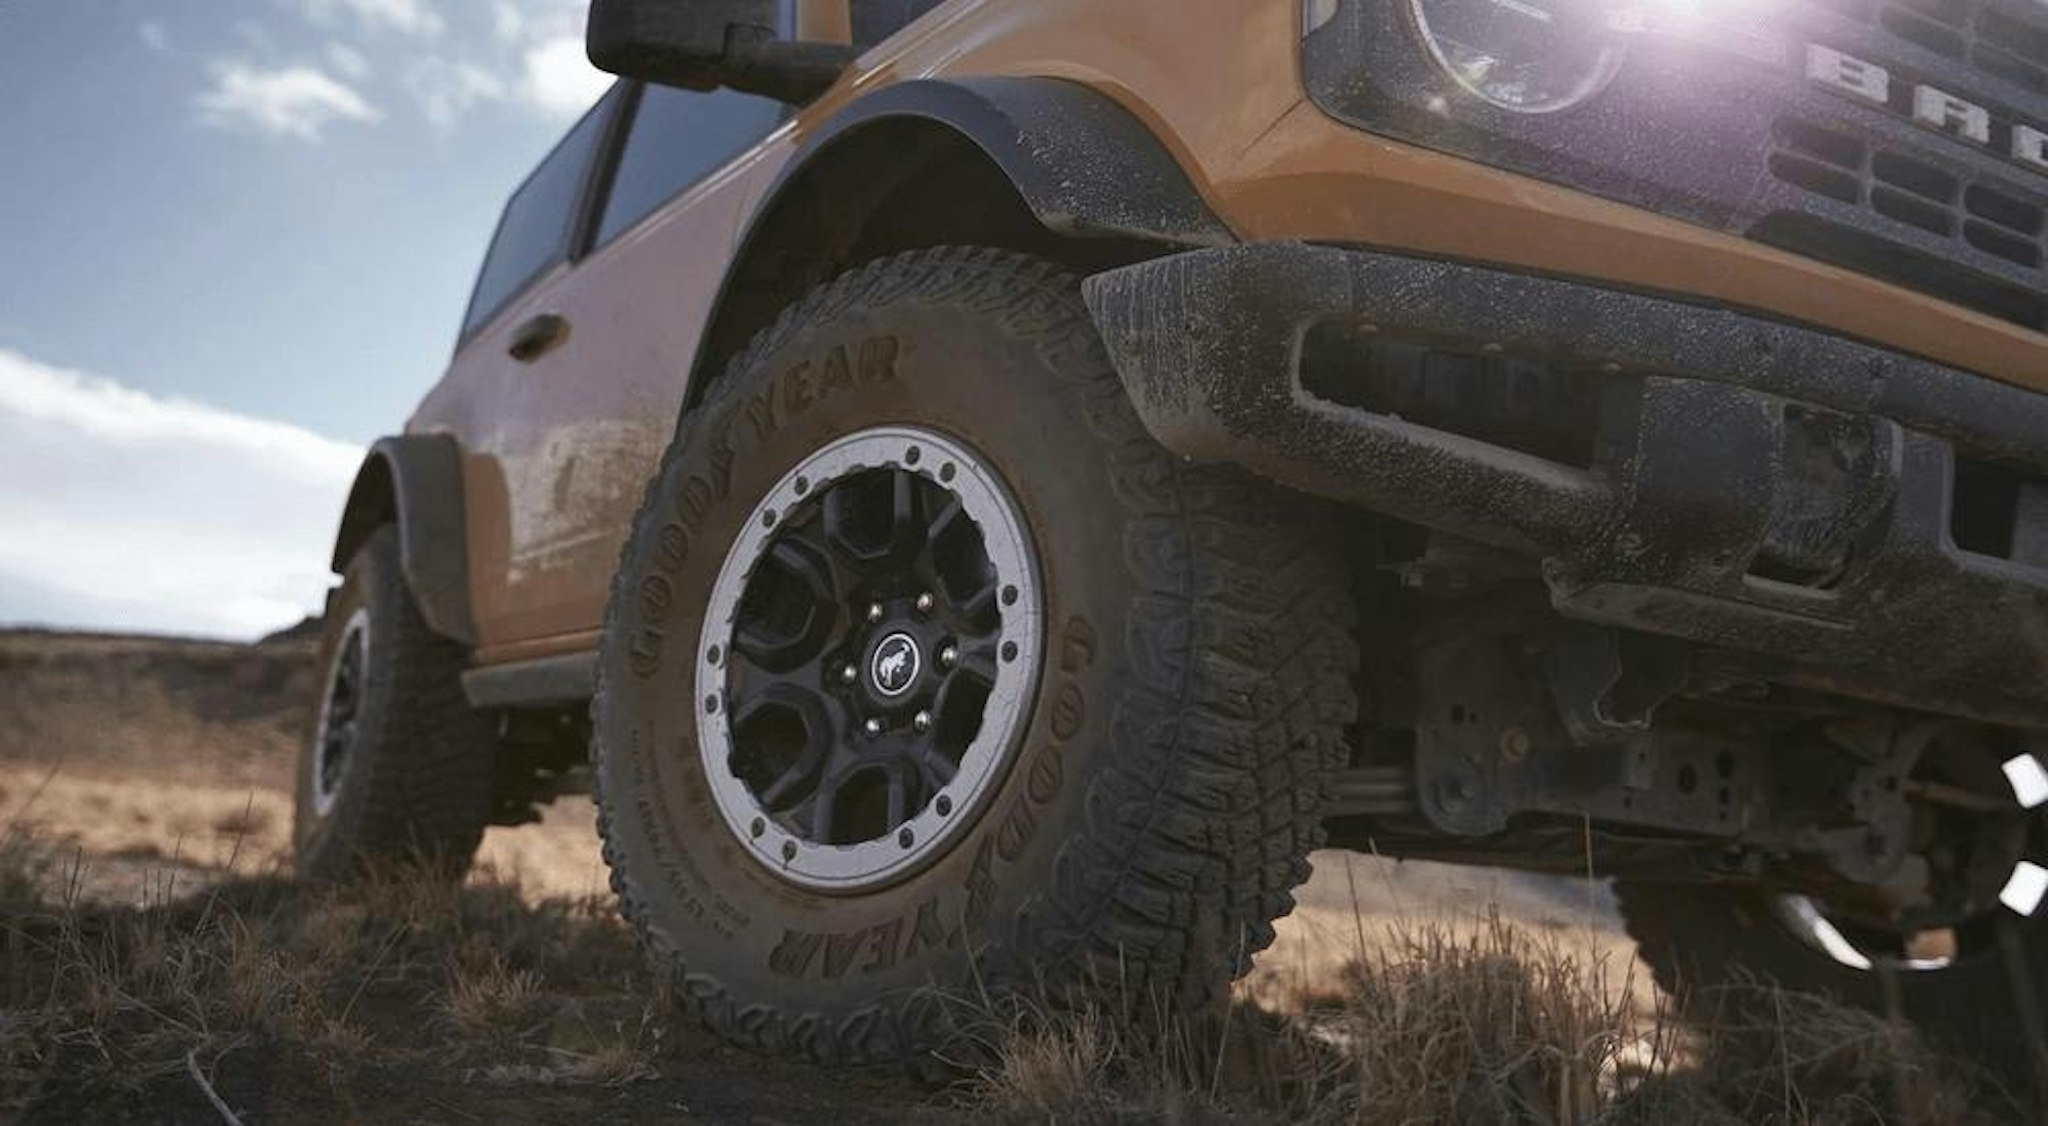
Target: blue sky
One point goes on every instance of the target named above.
(235, 240)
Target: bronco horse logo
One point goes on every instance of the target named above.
(895, 664)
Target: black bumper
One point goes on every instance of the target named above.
(1792, 499)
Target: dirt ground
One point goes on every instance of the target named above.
(160, 768)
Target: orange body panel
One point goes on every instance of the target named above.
(559, 450)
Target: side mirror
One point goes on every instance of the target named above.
(705, 44)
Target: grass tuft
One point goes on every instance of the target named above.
(101, 1003)
(1495, 1025)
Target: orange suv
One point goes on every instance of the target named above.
(985, 488)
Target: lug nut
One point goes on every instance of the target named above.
(874, 611)
(925, 602)
(873, 727)
(948, 657)
(849, 674)
(922, 721)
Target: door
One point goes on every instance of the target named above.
(587, 366)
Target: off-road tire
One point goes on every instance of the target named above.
(1697, 939)
(1196, 683)
(415, 787)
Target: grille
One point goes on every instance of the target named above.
(1908, 190)
(1974, 32)
(1985, 37)
(1975, 232)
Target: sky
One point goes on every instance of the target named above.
(236, 237)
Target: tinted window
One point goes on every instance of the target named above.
(678, 138)
(533, 234)
(876, 20)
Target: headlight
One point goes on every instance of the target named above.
(1529, 56)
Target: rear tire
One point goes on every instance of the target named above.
(1160, 795)
(398, 768)
(1700, 938)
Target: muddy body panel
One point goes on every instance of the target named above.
(1828, 510)
(556, 449)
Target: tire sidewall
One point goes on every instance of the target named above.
(1012, 384)
(328, 845)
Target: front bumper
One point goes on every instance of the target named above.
(1828, 513)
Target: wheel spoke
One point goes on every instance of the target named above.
(958, 562)
(978, 663)
(875, 520)
(906, 515)
(788, 788)
(780, 745)
(935, 769)
(825, 805)
(900, 795)
(788, 613)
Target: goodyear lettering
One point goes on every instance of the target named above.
(882, 939)
(672, 547)
(838, 373)
(760, 410)
(796, 389)
(928, 933)
(981, 888)
(656, 597)
(792, 956)
(839, 952)
(869, 950)
(645, 655)
(878, 359)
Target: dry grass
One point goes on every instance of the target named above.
(407, 986)
(100, 1003)
(1489, 1026)
(523, 1000)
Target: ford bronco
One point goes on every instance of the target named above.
(983, 488)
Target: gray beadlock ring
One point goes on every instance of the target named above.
(866, 866)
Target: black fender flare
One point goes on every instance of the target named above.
(1083, 163)
(415, 482)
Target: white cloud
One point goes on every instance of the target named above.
(296, 101)
(445, 91)
(128, 511)
(347, 61)
(559, 79)
(410, 17)
(508, 20)
(153, 35)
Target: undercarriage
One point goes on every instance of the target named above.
(1495, 732)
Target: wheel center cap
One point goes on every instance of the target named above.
(894, 665)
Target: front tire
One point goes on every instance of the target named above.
(398, 768)
(1186, 634)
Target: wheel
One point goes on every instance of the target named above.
(1969, 963)
(926, 667)
(399, 768)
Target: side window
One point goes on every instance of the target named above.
(678, 138)
(533, 234)
(876, 20)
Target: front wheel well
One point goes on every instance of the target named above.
(372, 503)
(888, 186)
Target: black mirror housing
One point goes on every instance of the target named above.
(705, 44)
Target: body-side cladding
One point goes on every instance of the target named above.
(415, 482)
(541, 682)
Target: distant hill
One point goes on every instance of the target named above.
(202, 710)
